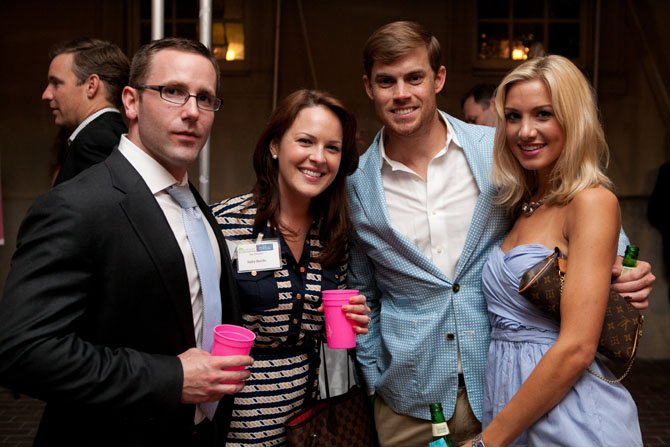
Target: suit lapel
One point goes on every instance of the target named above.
(148, 220)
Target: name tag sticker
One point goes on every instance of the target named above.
(259, 256)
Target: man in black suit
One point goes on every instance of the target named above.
(102, 311)
(85, 80)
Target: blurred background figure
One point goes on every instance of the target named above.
(85, 80)
(476, 105)
(658, 213)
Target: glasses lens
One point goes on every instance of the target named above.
(174, 95)
(207, 102)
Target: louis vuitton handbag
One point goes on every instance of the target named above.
(542, 284)
(345, 420)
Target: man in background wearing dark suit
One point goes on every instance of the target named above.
(102, 313)
(85, 80)
(477, 105)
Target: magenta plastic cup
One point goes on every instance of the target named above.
(339, 331)
(232, 340)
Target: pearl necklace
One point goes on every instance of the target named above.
(528, 208)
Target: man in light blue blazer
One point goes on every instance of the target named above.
(424, 224)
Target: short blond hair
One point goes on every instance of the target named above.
(584, 157)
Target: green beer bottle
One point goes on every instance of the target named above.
(630, 257)
(440, 428)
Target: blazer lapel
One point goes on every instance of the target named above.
(478, 153)
(370, 193)
(148, 220)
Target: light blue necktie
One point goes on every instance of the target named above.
(206, 265)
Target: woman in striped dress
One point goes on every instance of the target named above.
(298, 206)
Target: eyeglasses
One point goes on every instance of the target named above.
(175, 95)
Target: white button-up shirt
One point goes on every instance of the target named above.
(434, 213)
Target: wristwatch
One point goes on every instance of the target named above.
(477, 441)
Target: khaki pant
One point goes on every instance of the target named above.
(397, 430)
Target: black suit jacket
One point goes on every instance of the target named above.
(92, 145)
(97, 306)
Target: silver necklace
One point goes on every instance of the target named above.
(528, 208)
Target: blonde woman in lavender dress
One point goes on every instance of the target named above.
(549, 158)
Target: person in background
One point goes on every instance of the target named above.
(550, 156)
(85, 80)
(301, 162)
(659, 215)
(477, 107)
(102, 314)
(423, 226)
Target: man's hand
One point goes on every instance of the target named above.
(203, 374)
(635, 284)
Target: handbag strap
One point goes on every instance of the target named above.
(561, 273)
(630, 362)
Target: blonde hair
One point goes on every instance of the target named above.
(585, 155)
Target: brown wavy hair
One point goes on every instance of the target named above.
(330, 208)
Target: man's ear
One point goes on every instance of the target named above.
(131, 101)
(440, 78)
(368, 86)
(93, 86)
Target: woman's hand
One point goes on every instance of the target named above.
(357, 311)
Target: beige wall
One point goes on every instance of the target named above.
(632, 66)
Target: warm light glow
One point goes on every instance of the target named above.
(228, 41)
(520, 53)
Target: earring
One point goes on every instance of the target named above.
(274, 156)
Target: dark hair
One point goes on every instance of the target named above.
(99, 57)
(139, 68)
(481, 93)
(394, 40)
(330, 208)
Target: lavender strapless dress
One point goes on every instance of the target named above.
(592, 413)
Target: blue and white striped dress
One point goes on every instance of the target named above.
(280, 307)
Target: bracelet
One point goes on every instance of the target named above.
(477, 441)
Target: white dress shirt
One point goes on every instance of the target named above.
(157, 179)
(88, 119)
(434, 213)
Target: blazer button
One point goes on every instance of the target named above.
(450, 337)
(456, 287)
(295, 321)
(298, 296)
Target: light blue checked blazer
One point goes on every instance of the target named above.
(420, 318)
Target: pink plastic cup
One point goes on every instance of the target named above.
(339, 331)
(232, 340)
